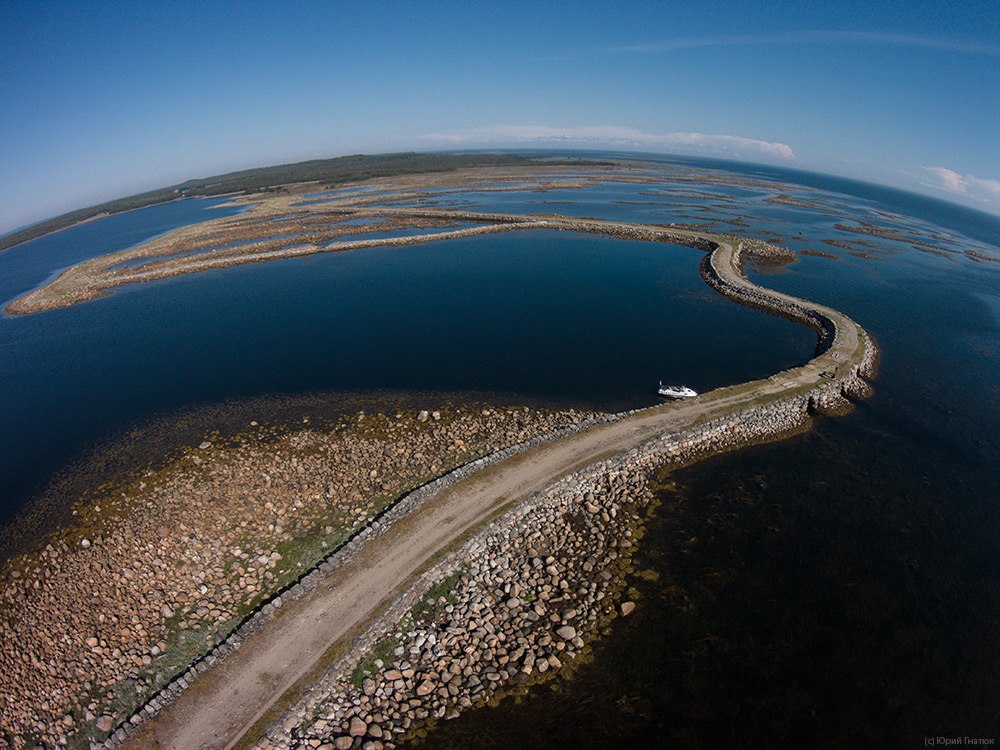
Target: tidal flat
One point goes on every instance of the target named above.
(405, 210)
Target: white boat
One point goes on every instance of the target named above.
(673, 390)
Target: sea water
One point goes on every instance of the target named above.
(838, 587)
(547, 317)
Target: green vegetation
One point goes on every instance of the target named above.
(381, 651)
(438, 596)
(183, 647)
(329, 172)
(431, 604)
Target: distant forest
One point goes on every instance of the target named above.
(330, 172)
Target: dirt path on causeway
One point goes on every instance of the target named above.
(225, 702)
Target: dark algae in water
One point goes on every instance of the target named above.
(840, 589)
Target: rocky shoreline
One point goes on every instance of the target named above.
(523, 599)
(290, 226)
(527, 595)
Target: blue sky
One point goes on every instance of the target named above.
(100, 100)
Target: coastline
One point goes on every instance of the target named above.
(307, 226)
(121, 458)
(107, 214)
(402, 658)
(289, 224)
(340, 704)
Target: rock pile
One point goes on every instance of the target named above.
(110, 612)
(536, 587)
(159, 570)
(754, 296)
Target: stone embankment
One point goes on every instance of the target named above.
(763, 299)
(94, 279)
(154, 574)
(253, 238)
(518, 602)
(527, 595)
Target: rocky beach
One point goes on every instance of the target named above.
(526, 595)
(164, 566)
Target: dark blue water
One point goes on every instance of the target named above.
(24, 267)
(563, 318)
(977, 225)
(598, 201)
(751, 213)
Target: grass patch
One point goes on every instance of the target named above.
(439, 595)
(304, 552)
(381, 651)
(183, 647)
(315, 539)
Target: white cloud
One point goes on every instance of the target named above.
(615, 135)
(980, 189)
